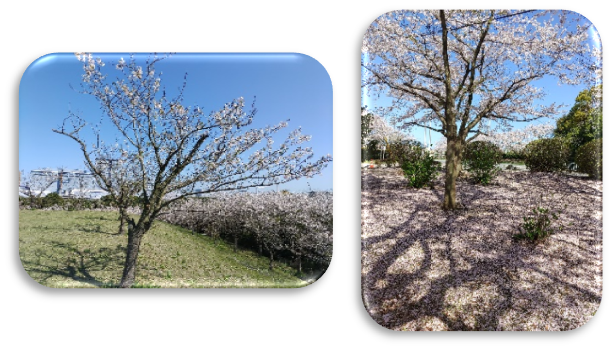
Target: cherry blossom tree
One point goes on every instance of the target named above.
(515, 140)
(508, 141)
(178, 150)
(384, 133)
(440, 147)
(459, 69)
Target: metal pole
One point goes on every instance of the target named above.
(429, 137)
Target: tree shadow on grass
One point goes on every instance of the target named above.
(470, 275)
(66, 260)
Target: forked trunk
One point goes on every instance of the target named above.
(135, 235)
(453, 158)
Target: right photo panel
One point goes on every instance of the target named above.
(481, 170)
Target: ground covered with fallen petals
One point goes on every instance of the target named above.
(424, 268)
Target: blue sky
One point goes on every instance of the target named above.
(558, 94)
(286, 86)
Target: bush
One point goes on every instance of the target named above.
(53, 199)
(516, 155)
(372, 150)
(480, 159)
(589, 159)
(132, 201)
(395, 153)
(400, 152)
(547, 155)
(419, 166)
(107, 200)
(538, 225)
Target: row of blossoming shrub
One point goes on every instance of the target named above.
(294, 227)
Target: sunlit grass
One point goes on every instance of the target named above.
(77, 249)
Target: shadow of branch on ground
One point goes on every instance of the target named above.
(66, 260)
(462, 271)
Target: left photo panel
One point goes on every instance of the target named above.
(155, 170)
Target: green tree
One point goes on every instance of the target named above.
(589, 159)
(583, 123)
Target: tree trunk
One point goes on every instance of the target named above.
(299, 264)
(453, 158)
(135, 235)
(271, 260)
(123, 216)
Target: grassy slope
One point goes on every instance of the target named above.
(81, 249)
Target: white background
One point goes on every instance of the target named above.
(328, 313)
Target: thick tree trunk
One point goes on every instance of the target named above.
(453, 158)
(135, 235)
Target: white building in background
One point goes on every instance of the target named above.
(66, 183)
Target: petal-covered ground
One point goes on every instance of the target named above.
(424, 268)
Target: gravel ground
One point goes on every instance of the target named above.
(424, 268)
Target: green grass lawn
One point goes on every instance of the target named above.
(74, 249)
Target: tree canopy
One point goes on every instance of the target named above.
(583, 123)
